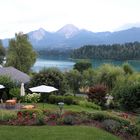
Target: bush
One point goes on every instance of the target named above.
(15, 92)
(51, 77)
(107, 74)
(127, 68)
(97, 94)
(68, 100)
(103, 115)
(8, 83)
(82, 65)
(6, 115)
(89, 105)
(30, 112)
(127, 94)
(52, 99)
(111, 125)
(59, 99)
(69, 120)
(32, 98)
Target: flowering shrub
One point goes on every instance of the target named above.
(32, 98)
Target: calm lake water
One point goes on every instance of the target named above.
(64, 63)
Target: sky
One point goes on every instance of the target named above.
(93, 15)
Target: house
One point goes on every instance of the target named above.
(14, 74)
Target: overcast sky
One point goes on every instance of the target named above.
(94, 15)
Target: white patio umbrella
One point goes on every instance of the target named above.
(22, 90)
(1, 86)
(43, 88)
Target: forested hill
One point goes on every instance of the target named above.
(125, 51)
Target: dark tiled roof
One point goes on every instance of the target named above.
(15, 74)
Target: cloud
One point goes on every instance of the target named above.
(95, 15)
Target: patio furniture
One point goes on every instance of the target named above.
(28, 107)
(9, 104)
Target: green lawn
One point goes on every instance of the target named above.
(54, 133)
(66, 107)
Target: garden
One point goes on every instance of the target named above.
(90, 101)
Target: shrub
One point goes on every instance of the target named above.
(103, 115)
(30, 112)
(127, 68)
(73, 78)
(52, 99)
(59, 99)
(6, 115)
(8, 83)
(82, 65)
(15, 92)
(97, 94)
(127, 94)
(111, 125)
(89, 105)
(51, 77)
(68, 100)
(69, 120)
(32, 98)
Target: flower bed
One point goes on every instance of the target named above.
(102, 119)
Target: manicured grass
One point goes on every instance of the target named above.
(54, 133)
(66, 107)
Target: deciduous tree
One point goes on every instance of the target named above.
(20, 53)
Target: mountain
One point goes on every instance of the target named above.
(69, 37)
(68, 31)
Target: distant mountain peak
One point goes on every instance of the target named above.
(69, 30)
(38, 34)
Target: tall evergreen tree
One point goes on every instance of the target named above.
(20, 53)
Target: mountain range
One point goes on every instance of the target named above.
(69, 37)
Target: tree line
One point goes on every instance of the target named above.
(125, 51)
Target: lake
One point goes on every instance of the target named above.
(64, 63)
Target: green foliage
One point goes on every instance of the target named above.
(20, 53)
(97, 94)
(127, 68)
(30, 112)
(8, 83)
(111, 125)
(107, 74)
(127, 93)
(2, 52)
(55, 99)
(127, 51)
(32, 98)
(6, 115)
(52, 99)
(51, 77)
(82, 65)
(59, 99)
(103, 115)
(73, 78)
(89, 105)
(68, 100)
(68, 120)
(88, 77)
(15, 92)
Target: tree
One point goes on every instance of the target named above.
(20, 53)
(97, 94)
(51, 77)
(127, 68)
(2, 52)
(74, 80)
(82, 65)
(107, 74)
